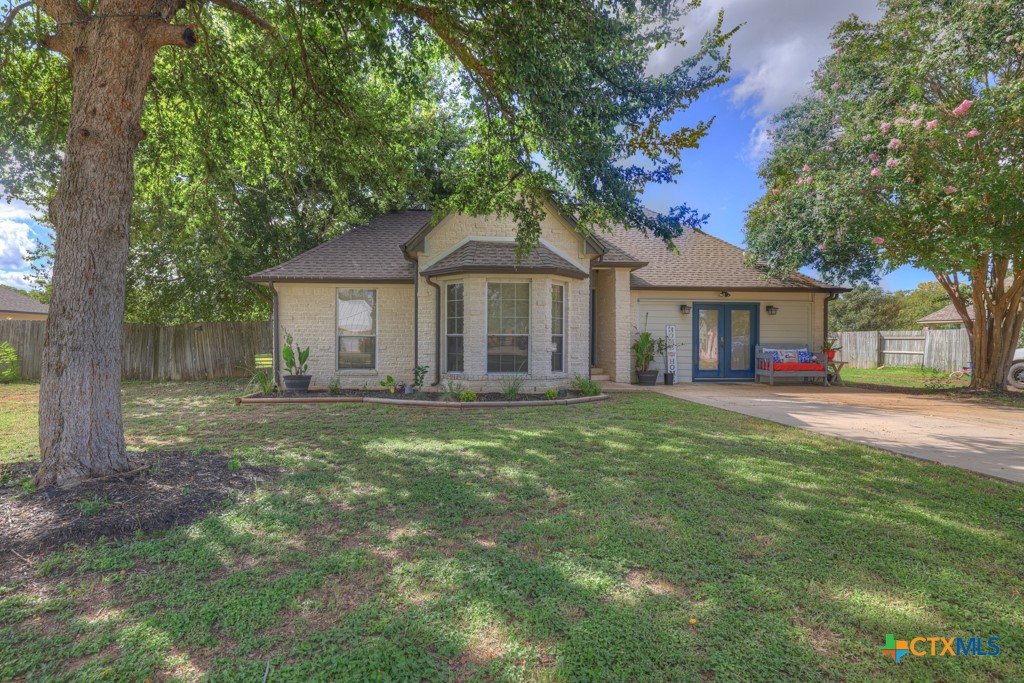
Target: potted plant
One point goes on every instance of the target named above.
(829, 348)
(295, 361)
(645, 348)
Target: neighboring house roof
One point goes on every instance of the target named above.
(946, 315)
(480, 256)
(703, 262)
(13, 301)
(370, 252)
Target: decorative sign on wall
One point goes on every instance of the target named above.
(670, 352)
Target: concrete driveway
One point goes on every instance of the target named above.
(984, 438)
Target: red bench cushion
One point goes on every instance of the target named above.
(798, 366)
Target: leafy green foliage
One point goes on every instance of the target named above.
(551, 394)
(8, 363)
(295, 358)
(467, 396)
(92, 506)
(511, 387)
(419, 374)
(451, 390)
(264, 381)
(584, 386)
(260, 148)
(389, 384)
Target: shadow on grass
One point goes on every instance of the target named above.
(566, 543)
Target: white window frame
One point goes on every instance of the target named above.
(447, 370)
(565, 327)
(376, 333)
(529, 322)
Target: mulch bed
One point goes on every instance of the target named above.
(165, 489)
(421, 396)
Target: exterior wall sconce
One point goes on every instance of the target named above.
(771, 310)
(685, 309)
(724, 295)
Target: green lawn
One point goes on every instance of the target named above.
(926, 380)
(641, 538)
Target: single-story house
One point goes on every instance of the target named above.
(411, 288)
(16, 306)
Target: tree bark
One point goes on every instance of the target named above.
(80, 428)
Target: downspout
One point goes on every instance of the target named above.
(277, 334)
(437, 332)
(415, 309)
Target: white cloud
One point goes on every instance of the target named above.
(775, 51)
(16, 240)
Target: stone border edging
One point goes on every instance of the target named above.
(253, 399)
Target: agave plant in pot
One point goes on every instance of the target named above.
(645, 348)
(295, 357)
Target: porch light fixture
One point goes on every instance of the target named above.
(771, 310)
(724, 295)
(685, 309)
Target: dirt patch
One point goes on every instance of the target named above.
(164, 489)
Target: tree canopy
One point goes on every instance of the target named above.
(910, 152)
(270, 137)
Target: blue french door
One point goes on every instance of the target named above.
(724, 337)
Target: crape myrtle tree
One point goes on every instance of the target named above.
(99, 97)
(911, 151)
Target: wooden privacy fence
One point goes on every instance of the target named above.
(945, 350)
(156, 352)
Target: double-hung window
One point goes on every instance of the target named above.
(508, 327)
(357, 329)
(558, 328)
(455, 328)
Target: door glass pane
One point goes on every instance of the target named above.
(739, 357)
(707, 322)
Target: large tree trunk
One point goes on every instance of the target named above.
(80, 431)
(992, 318)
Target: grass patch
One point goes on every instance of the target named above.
(927, 380)
(640, 538)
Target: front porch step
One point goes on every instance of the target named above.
(598, 374)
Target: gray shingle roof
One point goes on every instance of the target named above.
(500, 257)
(945, 316)
(703, 262)
(370, 252)
(13, 301)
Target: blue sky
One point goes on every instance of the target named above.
(774, 53)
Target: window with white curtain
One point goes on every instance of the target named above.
(357, 329)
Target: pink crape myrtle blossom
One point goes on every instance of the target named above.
(973, 133)
(931, 125)
(799, 181)
(892, 163)
(951, 189)
(775, 190)
(878, 240)
(866, 138)
(806, 168)
(876, 171)
(835, 86)
(874, 157)
(819, 196)
(808, 179)
(913, 107)
(885, 126)
(918, 121)
(901, 121)
(821, 247)
(963, 107)
(894, 144)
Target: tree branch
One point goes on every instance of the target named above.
(175, 35)
(14, 12)
(243, 11)
(63, 11)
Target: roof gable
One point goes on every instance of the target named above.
(371, 253)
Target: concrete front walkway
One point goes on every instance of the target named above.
(984, 438)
